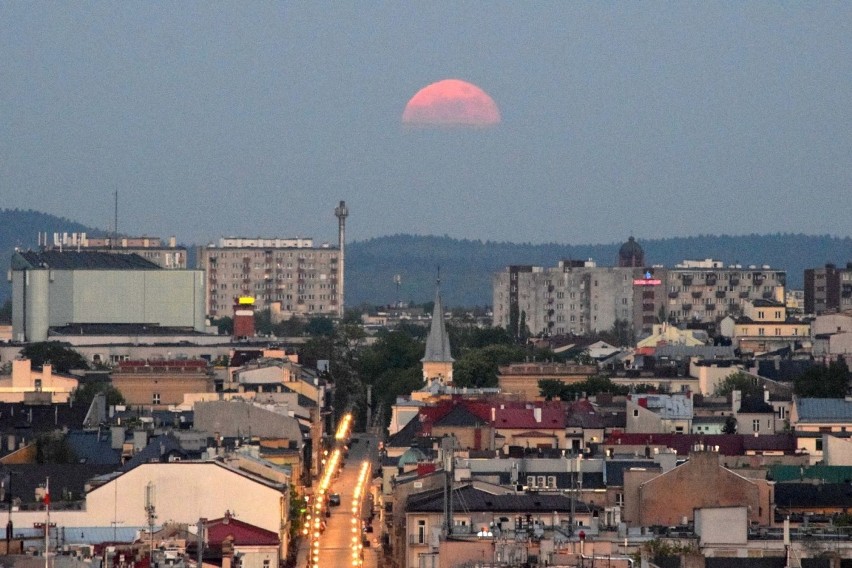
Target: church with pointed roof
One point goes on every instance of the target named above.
(438, 360)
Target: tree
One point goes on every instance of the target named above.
(730, 426)
(743, 382)
(6, 312)
(53, 448)
(513, 319)
(59, 355)
(85, 393)
(320, 326)
(551, 389)
(823, 382)
(224, 325)
(593, 385)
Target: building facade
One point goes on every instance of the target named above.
(290, 277)
(582, 298)
(54, 289)
(572, 298)
(165, 254)
(828, 289)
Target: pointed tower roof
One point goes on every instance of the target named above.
(438, 342)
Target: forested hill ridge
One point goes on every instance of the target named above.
(19, 228)
(466, 266)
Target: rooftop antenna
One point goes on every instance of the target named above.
(115, 222)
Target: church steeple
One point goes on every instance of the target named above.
(438, 360)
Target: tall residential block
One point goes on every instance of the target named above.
(577, 297)
(828, 289)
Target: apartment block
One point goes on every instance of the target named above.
(163, 253)
(290, 277)
(828, 289)
(571, 298)
(579, 297)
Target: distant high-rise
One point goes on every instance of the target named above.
(828, 289)
(288, 276)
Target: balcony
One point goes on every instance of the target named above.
(767, 295)
(711, 279)
(687, 307)
(696, 295)
(417, 540)
(744, 294)
(735, 280)
(709, 307)
(720, 293)
(673, 295)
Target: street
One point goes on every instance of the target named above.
(343, 528)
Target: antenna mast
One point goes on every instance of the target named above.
(115, 222)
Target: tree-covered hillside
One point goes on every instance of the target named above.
(467, 266)
(20, 228)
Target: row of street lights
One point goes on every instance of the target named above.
(357, 544)
(332, 465)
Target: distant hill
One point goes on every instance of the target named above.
(467, 266)
(20, 228)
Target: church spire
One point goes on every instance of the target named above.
(438, 360)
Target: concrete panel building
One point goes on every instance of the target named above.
(290, 277)
(57, 289)
(165, 254)
(573, 298)
(577, 297)
(828, 289)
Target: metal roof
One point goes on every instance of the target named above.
(73, 260)
(824, 410)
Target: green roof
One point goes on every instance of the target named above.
(825, 473)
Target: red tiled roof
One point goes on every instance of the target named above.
(243, 534)
(519, 416)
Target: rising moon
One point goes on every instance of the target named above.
(451, 103)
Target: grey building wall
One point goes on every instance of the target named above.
(45, 298)
(566, 299)
(236, 418)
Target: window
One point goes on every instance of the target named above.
(761, 331)
(755, 425)
(421, 532)
(819, 444)
(635, 413)
(619, 499)
(155, 399)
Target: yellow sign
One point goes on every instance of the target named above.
(246, 301)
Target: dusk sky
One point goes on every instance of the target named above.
(254, 119)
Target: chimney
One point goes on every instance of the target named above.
(537, 413)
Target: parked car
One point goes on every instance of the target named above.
(334, 499)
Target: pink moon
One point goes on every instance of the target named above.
(451, 103)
